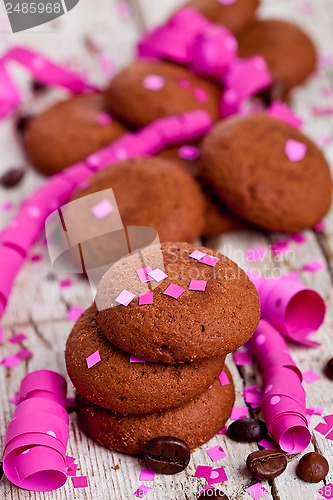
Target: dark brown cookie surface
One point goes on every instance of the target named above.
(147, 90)
(195, 422)
(69, 131)
(153, 192)
(288, 51)
(197, 325)
(235, 16)
(246, 164)
(124, 387)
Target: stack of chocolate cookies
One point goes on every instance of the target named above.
(181, 313)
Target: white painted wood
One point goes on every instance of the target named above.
(38, 305)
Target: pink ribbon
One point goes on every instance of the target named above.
(37, 436)
(19, 236)
(188, 38)
(284, 403)
(42, 69)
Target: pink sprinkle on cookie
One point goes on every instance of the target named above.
(104, 119)
(157, 275)
(188, 152)
(154, 82)
(174, 291)
(295, 150)
(143, 274)
(198, 285)
(146, 299)
(93, 359)
(125, 298)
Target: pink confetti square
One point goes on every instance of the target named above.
(243, 358)
(255, 254)
(268, 444)
(125, 298)
(295, 150)
(239, 412)
(223, 431)
(203, 471)
(74, 312)
(147, 475)
(146, 299)
(313, 266)
(19, 337)
(104, 119)
(216, 453)
(298, 238)
(200, 95)
(157, 274)
(223, 378)
(227, 2)
(69, 461)
(93, 359)
(71, 470)
(197, 255)
(217, 476)
(143, 274)
(80, 481)
(314, 410)
(133, 359)
(320, 227)
(323, 428)
(174, 291)
(10, 361)
(142, 491)
(256, 491)
(24, 354)
(279, 247)
(154, 82)
(102, 209)
(310, 377)
(198, 285)
(66, 283)
(190, 153)
(209, 260)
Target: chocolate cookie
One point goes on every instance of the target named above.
(235, 15)
(196, 325)
(195, 422)
(267, 173)
(124, 387)
(153, 192)
(288, 51)
(147, 90)
(69, 131)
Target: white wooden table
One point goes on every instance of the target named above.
(38, 305)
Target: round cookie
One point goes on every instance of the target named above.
(147, 90)
(118, 385)
(288, 51)
(235, 16)
(69, 131)
(153, 192)
(197, 325)
(195, 422)
(245, 163)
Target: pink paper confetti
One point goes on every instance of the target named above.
(104, 119)
(147, 475)
(174, 291)
(256, 491)
(320, 227)
(217, 476)
(282, 112)
(102, 209)
(133, 359)
(280, 247)
(295, 150)
(146, 299)
(71, 470)
(143, 274)
(253, 396)
(10, 361)
(268, 444)
(223, 378)
(154, 82)
(190, 153)
(298, 238)
(314, 410)
(325, 428)
(216, 453)
(2, 335)
(198, 285)
(16, 339)
(203, 471)
(74, 312)
(69, 461)
(24, 354)
(200, 95)
(243, 358)
(93, 359)
(310, 377)
(157, 275)
(223, 431)
(227, 2)
(197, 255)
(125, 298)
(313, 266)
(142, 491)
(239, 412)
(209, 260)
(256, 253)
(325, 59)
(66, 283)
(326, 491)
(80, 481)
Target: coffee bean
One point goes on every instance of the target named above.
(247, 430)
(12, 177)
(266, 464)
(22, 122)
(329, 369)
(167, 455)
(214, 494)
(312, 467)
